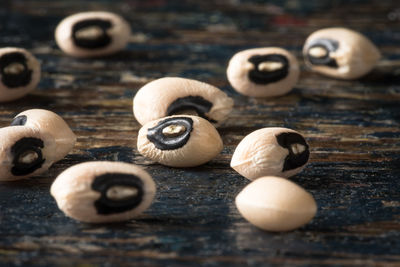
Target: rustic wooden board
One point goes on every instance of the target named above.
(352, 127)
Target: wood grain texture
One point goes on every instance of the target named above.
(351, 126)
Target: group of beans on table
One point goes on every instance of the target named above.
(178, 118)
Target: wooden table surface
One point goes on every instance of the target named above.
(351, 126)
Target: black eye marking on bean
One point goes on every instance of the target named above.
(100, 28)
(24, 147)
(19, 121)
(156, 136)
(295, 158)
(102, 183)
(328, 45)
(265, 77)
(14, 70)
(196, 103)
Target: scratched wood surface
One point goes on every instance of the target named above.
(352, 128)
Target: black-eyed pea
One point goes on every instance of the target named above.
(179, 141)
(25, 152)
(276, 204)
(103, 191)
(172, 95)
(92, 34)
(263, 72)
(19, 73)
(51, 124)
(270, 151)
(340, 53)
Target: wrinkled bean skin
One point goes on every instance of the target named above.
(271, 151)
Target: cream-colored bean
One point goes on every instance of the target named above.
(196, 145)
(25, 152)
(276, 204)
(19, 73)
(35, 140)
(52, 125)
(103, 191)
(270, 151)
(172, 95)
(92, 34)
(263, 72)
(340, 53)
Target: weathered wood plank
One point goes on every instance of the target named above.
(352, 127)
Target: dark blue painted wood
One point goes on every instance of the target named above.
(352, 127)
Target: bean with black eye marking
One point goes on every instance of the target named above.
(171, 133)
(319, 52)
(179, 141)
(340, 53)
(19, 120)
(103, 191)
(92, 34)
(271, 151)
(35, 140)
(25, 152)
(19, 73)
(263, 72)
(172, 95)
(51, 124)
